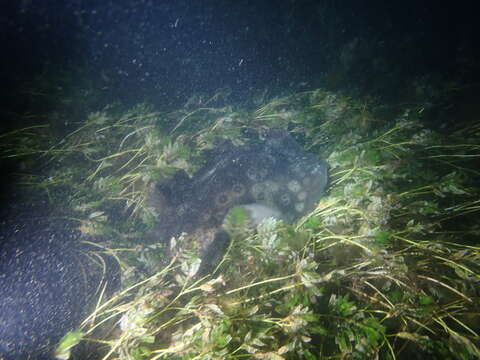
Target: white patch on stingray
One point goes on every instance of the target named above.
(259, 212)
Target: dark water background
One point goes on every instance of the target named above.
(165, 51)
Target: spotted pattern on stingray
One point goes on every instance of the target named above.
(273, 170)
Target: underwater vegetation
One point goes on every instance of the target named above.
(383, 263)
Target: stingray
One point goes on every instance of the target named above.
(271, 169)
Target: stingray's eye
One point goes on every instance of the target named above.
(222, 199)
